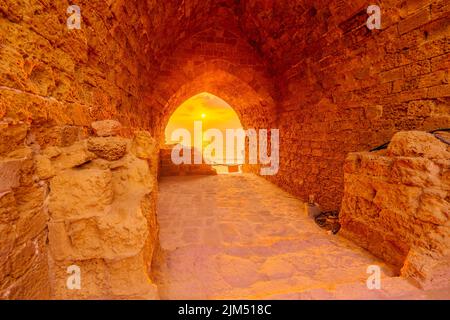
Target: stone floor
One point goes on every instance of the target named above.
(241, 237)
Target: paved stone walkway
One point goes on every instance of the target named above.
(241, 237)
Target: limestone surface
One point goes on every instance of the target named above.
(396, 205)
(110, 148)
(106, 128)
(98, 220)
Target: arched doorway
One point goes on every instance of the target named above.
(252, 102)
(213, 127)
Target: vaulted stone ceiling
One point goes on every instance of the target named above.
(282, 32)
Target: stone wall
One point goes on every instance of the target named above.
(53, 83)
(23, 227)
(168, 168)
(397, 205)
(102, 209)
(344, 88)
(89, 203)
(78, 76)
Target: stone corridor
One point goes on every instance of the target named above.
(241, 237)
(83, 113)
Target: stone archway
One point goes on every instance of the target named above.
(252, 103)
(214, 119)
(254, 109)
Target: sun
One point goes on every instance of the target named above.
(203, 116)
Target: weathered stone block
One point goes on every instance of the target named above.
(427, 271)
(73, 156)
(59, 242)
(10, 169)
(7, 239)
(51, 152)
(33, 218)
(15, 134)
(31, 268)
(375, 165)
(62, 136)
(44, 168)
(399, 198)
(77, 194)
(415, 21)
(109, 148)
(417, 144)
(410, 230)
(439, 91)
(119, 234)
(374, 112)
(352, 163)
(106, 128)
(144, 146)
(420, 172)
(433, 208)
(8, 208)
(133, 283)
(134, 175)
(359, 186)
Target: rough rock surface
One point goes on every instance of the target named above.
(396, 205)
(24, 270)
(91, 190)
(144, 145)
(98, 221)
(110, 148)
(106, 128)
(89, 203)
